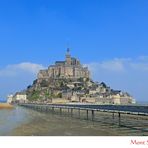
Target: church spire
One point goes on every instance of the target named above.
(68, 57)
(68, 51)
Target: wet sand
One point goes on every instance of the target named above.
(58, 127)
(27, 122)
(48, 124)
(6, 106)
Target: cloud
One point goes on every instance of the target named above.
(30, 67)
(16, 69)
(127, 74)
(121, 64)
(17, 77)
(139, 66)
(143, 58)
(113, 65)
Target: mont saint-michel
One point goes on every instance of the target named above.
(69, 81)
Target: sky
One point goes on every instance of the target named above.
(109, 36)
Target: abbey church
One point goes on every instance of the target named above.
(70, 68)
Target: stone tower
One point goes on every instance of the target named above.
(68, 57)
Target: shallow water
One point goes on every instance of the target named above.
(27, 122)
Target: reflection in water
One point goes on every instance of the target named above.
(10, 119)
(22, 121)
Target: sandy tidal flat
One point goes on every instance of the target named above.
(6, 106)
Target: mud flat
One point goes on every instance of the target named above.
(6, 106)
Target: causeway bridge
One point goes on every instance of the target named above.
(90, 110)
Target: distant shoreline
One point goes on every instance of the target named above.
(6, 106)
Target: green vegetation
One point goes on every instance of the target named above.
(52, 88)
(44, 83)
(81, 80)
(34, 96)
(104, 85)
(47, 95)
(34, 82)
(29, 86)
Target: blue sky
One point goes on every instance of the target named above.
(110, 36)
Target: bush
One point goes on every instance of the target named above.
(28, 87)
(34, 95)
(44, 83)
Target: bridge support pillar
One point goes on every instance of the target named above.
(60, 111)
(87, 114)
(113, 116)
(79, 112)
(42, 108)
(71, 112)
(93, 115)
(52, 109)
(68, 111)
(119, 116)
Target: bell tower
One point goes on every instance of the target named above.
(68, 57)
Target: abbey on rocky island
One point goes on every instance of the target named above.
(69, 81)
(70, 68)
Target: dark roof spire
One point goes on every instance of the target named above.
(68, 50)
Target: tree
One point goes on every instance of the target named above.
(29, 86)
(34, 82)
(34, 95)
(104, 85)
(44, 83)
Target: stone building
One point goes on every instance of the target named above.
(9, 98)
(70, 68)
(19, 97)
